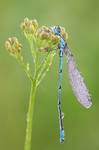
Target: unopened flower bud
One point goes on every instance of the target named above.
(35, 23)
(45, 29)
(44, 35)
(44, 32)
(64, 33)
(54, 39)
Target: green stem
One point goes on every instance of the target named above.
(30, 118)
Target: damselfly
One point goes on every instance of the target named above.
(78, 85)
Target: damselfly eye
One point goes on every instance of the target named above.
(58, 30)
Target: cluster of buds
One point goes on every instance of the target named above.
(13, 46)
(45, 33)
(48, 38)
(29, 27)
(45, 38)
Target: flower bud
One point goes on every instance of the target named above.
(13, 46)
(64, 33)
(54, 39)
(44, 33)
(35, 23)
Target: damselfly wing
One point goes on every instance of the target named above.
(77, 82)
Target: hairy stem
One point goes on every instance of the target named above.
(30, 118)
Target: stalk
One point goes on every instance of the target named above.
(28, 138)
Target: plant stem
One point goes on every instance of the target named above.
(30, 117)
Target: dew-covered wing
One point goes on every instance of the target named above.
(77, 82)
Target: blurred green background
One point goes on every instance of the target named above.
(81, 20)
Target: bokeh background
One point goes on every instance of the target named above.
(81, 20)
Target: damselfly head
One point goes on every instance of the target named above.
(60, 31)
(56, 30)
